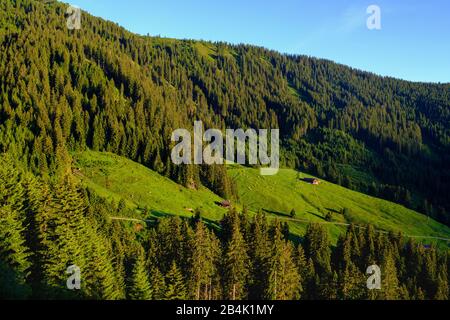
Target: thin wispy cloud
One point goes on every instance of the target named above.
(353, 18)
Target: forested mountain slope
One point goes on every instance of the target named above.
(107, 89)
(102, 88)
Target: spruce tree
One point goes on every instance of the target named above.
(14, 253)
(389, 284)
(317, 247)
(442, 288)
(351, 282)
(204, 258)
(260, 244)
(283, 280)
(157, 284)
(175, 286)
(140, 285)
(63, 238)
(236, 265)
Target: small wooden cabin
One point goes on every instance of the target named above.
(313, 181)
(138, 227)
(225, 204)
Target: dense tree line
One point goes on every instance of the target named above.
(104, 88)
(48, 227)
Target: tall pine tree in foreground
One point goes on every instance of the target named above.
(283, 279)
(139, 283)
(259, 254)
(316, 244)
(175, 286)
(236, 265)
(205, 253)
(14, 254)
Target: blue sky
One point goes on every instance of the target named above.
(413, 43)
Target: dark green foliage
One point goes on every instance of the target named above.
(178, 259)
(317, 247)
(110, 90)
(293, 214)
(15, 256)
(158, 284)
(107, 89)
(175, 287)
(121, 206)
(48, 231)
(259, 254)
(140, 284)
(283, 279)
(203, 270)
(350, 278)
(236, 264)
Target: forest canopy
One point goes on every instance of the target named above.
(105, 89)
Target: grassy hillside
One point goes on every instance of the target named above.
(285, 191)
(116, 177)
